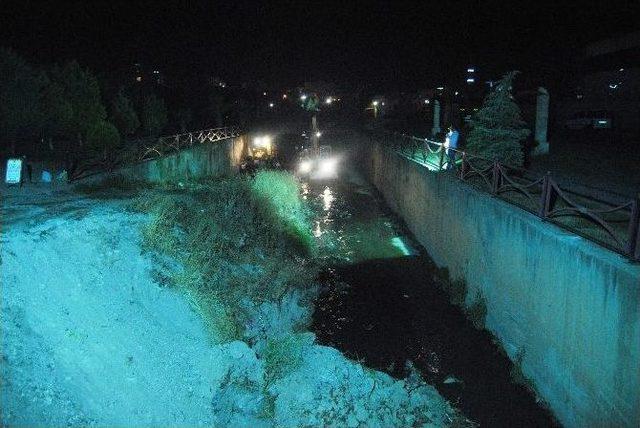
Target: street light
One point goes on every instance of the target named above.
(375, 108)
(303, 97)
(270, 105)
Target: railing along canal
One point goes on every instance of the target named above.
(143, 150)
(614, 225)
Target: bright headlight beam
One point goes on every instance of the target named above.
(262, 141)
(305, 166)
(327, 167)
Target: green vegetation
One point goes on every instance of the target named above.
(277, 199)
(154, 115)
(103, 137)
(20, 88)
(241, 242)
(497, 129)
(123, 115)
(79, 93)
(282, 355)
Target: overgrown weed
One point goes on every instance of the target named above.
(282, 355)
(241, 241)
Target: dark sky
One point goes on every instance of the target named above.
(389, 44)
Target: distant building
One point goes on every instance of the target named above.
(607, 85)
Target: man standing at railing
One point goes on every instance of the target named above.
(450, 144)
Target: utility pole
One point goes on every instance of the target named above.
(315, 135)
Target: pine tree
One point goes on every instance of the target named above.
(103, 137)
(123, 115)
(497, 129)
(154, 115)
(80, 98)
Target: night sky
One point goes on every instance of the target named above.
(389, 45)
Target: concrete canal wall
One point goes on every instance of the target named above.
(202, 160)
(565, 309)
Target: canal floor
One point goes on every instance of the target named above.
(380, 305)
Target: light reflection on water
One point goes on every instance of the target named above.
(322, 224)
(349, 225)
(327, 198)
(305, 190)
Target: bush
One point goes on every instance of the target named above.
(241, 243)
(283, 355)
(278, 199)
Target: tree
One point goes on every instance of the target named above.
(219, 107)
(57, 113)
(103, 136)
(21, 89)
(80, 89)
(123, 115)
(497, 129)
(183, 118)
(154, 115)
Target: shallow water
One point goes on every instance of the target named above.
(380, 306)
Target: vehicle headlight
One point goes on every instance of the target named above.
(328, 167)
(305, 166)
(262, 141)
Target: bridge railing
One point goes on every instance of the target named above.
(612, 224)
(132, 152)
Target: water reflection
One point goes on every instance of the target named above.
(327, 198)
(305, 190)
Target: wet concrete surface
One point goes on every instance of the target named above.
(380, 305)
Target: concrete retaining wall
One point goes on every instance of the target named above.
(565, 309)
(202, 160)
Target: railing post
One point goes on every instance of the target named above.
(545, 196)
(495, 183)
(633, 235)
(463, 165)
(441, 161)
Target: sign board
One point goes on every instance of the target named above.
(14, 171)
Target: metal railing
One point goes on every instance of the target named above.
(612, 224)
(174, 143)
(137, 151)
